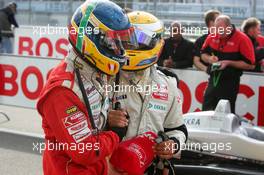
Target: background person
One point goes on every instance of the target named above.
(209, 18)
(251, 27)
(260, 40)
(0, 41)
(233, 52)
(7, 19)
(177, 51)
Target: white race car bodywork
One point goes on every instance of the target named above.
(234, 138)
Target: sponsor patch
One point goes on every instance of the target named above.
(93, 96)
(94, 99)
(78, 127)
(140, 152)
(73, 119)
(71, 110)
(83, 134)
(90, 89)
(118, 98)
(157, 107)
(96, 108)
(160, 95)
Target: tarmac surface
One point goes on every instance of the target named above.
(20, 135)
(17, 136)
(19, 163)
(21, 119)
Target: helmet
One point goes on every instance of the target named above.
(100, 32)
(149, 32)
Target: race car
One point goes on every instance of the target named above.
(221, 142)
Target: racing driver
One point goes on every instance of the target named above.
(73, 103)
(158, 107)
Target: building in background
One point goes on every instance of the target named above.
(189, 12)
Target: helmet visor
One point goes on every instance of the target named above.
(118, 41)
(146, 39)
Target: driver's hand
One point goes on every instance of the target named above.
(117, 118)
(168, 63)
(166, 149)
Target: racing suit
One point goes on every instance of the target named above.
(153, 105)
(71, 146)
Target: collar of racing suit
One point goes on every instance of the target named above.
(89, 74)
(143, 78)
(136, 77)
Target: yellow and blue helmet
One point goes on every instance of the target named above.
(100, 32)
(149, 32)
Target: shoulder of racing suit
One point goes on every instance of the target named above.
(57, 77)
(162, 75)
(64, 76)
(169, 73)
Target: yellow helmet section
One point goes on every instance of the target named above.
(149, 31)
(138, 59)
(140, 17)
(109, 66)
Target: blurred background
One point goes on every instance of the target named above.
(190, 12)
